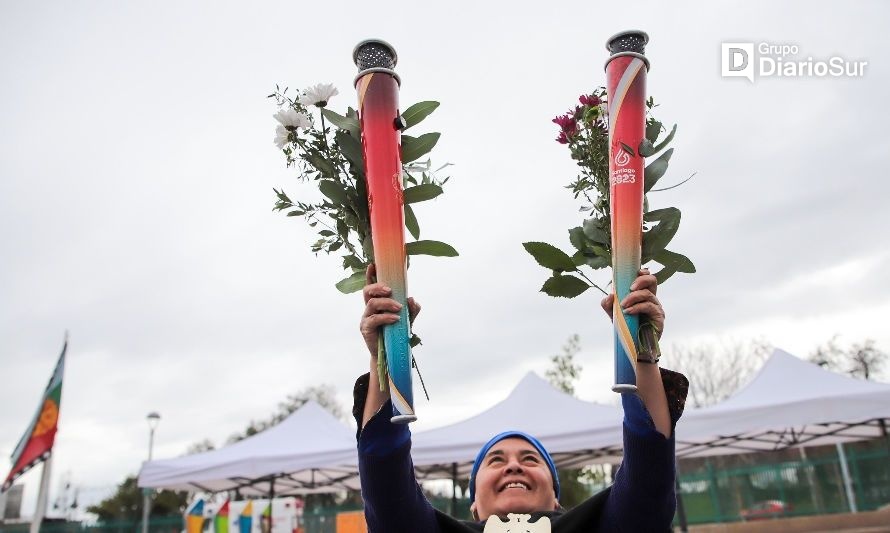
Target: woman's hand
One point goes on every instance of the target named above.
(380, 309)
(640, 301)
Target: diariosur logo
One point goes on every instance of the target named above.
(771, 60)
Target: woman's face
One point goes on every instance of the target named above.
(513, 478)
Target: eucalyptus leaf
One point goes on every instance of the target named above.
(333, 190)
(549, 256)
(656, 169)
(351, 148)
(653, 128)
(564, 286)
(646, 148)
(627, 149)
(295, 213)
(663, 274)
(666, 140)
(353, 283)
(417, 112)
(421, 193)
(434, 248)
(678, 262)
(659, 236)
(344, 123)
(413, 148)
(411, 222)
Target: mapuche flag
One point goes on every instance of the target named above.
(221, 520)
(37, 442)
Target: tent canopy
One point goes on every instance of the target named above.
(790, 402)
(574, 431)
(309, 451)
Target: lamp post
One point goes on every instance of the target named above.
(153, 419)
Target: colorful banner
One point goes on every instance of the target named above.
(266, 519)
(194, 520)
(37, 442)
(221, 520)
(245, 521)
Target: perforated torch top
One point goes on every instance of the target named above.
(374, 53)
(628, 41)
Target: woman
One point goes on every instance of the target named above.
(514, 485)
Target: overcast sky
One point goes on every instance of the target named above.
(136, 176)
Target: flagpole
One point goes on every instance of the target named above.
(43, 495)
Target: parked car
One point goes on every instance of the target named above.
(766, 509)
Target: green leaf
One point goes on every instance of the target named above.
(335, 246)
(434, 248)
(326, 233)
(344, 123)
(295, 213)
(421, 193)
(413, 148)
(656, 169)
(657, 148)
(577, 238)
(663, 274)
(564, 286)
(353, 262)
(657, 237)
(411, 222)
(627, 149)
(333, 190)
(646, 149)
(414, 340)
(653, 128)
(678, 262)
(353, 283)
(417, 112)
(351, 148)
(593, 230)
(320, 163)
(549, 256)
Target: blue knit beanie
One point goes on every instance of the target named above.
(506, 435)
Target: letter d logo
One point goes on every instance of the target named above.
(737, 60)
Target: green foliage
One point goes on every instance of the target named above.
(126, 503)
(325, 395)
(329, 154)
(584, 130)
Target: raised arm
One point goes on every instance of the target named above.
(394, 502)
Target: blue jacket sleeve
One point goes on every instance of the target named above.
(643, 496)
(394, 502)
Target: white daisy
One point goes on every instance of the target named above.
(292, 119)
(319, 94)
(281, 134)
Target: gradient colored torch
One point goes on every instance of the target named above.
(378, 100)
(626, 87)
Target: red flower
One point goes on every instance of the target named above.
(562, 139)
(590, 100)
(566, 122)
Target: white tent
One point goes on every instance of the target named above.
(790, 402)
(309, 451)
(574, 431)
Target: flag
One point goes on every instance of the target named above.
(266, 523)
(194, 521)
(37, 442)
(221, 520)
(245, 521)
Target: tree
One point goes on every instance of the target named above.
(861, 360)
(126, 503)
(201, 446)
(325, 395)
(717, 371)
(563, 374)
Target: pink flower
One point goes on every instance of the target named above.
(589, 100)
(562, 139)
(565, 122)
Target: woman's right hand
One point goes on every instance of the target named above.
(380, 309)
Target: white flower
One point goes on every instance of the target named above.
(292, 119)
(319, 94)
(281, 134)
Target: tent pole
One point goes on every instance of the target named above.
(848, 485)
(681, 509)
(453, 489)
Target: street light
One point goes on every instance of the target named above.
(153, 420)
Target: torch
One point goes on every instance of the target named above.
(381, 124)
(626, 88)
